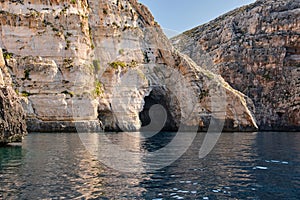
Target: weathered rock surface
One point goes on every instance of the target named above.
(256, 49)
(81, 61)
(12, 115)
(48, 47)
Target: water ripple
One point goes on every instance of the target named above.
(241, 166)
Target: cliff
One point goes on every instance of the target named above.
(90, 64)
(12, 115)
(256, 49)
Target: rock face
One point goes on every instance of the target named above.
(256, 49)
(48, 47)
(104, 64)
(12, 115)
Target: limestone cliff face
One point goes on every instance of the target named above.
(48, 47)
(256, 49)
(12, 115)
(106, 63)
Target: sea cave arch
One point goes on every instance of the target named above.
(167, 101)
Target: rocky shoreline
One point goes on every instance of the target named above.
(102, 65)
(12, 115)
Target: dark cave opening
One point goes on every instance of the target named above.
(158, 100)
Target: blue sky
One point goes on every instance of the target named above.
(182, 15)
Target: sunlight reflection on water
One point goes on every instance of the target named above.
(242, 165)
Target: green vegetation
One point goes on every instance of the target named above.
(121, 51)
(210, 76)
(98, 91)
(91, 39)
(68, 61)
(96, 64)
(133, 63)
(203, 94)
(7, 55)
(16, 90)
(141, 74)
(73, 1)
(25, 94)
(116, 64)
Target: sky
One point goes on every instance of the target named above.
(177, 16)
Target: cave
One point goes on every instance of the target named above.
(160, 102)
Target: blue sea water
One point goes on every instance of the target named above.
(241, 166)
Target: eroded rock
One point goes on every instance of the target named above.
(77, 62)
(256, 49)
(12, 116)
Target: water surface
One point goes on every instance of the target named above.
(241, 166)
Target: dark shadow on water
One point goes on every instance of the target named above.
(158, 141)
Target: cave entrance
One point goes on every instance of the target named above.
(160, 111)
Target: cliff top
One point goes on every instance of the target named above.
(270, 6)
